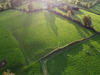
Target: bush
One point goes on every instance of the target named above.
(8, 73)
(69, 13)
(87, 21)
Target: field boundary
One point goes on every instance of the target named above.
(75, 21)
(58, 51)
(68, 45)
(57, 13)
(35, 10)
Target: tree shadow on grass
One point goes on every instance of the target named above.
(79, 12)
(76, 18)
(96, 10)
(50, 22)
(94, 45)
(57, 65)
(23, 27)
(28, 20)
(81, 30)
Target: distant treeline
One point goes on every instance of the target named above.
(88, 4)
(8, 4)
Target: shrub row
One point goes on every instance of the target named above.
(24, 10)
(76, 21)
(3, 9)
(88, 5)
(63, 9)
(73, 43)
(69, 45)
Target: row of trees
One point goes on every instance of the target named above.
(7, 4)
(86, 19)
(87, 4)
(15, 3)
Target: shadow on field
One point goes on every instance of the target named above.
(95, 9)
(50, 20)
(59, 64)
(28, 20)
(76, 18)
(79, 12)
(82, 31)
(94, 45)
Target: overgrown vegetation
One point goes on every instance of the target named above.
(87, 21)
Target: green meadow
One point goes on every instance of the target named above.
(95, 18)
(82, 59)
(80, 14)
(10, 51)
(26, 37)
(41, 32)
(95, 9)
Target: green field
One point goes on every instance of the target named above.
(39, 33)
(95, 18)
(26, 37)
(10, 51)
(81, 13)
(33, 31)
(83, 59)
(95, 9)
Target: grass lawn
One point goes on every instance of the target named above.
(10, 51)
(83, 59)
(95, 18)
(95, 9)
(41, 32)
